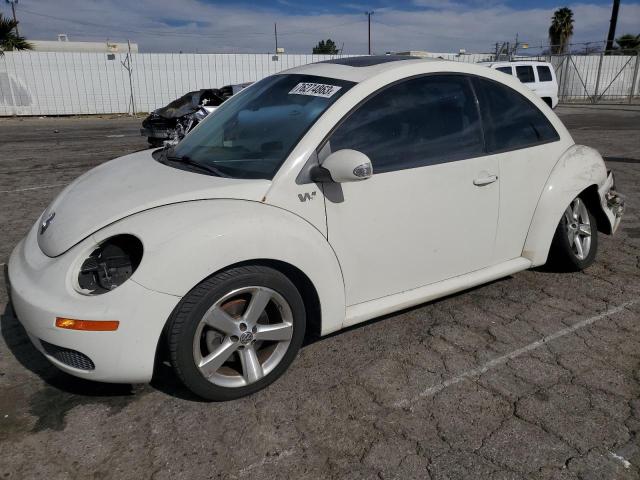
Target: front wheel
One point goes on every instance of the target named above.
(575, 242)
(236, 332)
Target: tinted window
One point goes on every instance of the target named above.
(525, 73)
(510, 121)
(505, 70)
(252, 133)
(423, 121)
(544, 74)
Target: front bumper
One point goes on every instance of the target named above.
(160, 133)
(41, 289)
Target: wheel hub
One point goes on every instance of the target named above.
(246, 338)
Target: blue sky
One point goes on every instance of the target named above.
(246, 26)
(337, 6)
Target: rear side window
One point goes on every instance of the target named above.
(525, 73)
(510, 120)
(506, 70)
(544, 73)
(418, 122)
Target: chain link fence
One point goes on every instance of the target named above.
(601, 78)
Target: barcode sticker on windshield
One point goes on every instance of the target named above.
(314, 89)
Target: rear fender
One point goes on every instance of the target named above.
(578, 169)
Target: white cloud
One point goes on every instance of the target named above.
(444, 26)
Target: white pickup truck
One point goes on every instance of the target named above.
(538, 76)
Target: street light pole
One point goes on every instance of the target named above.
(368, 14)
(612, 25)
(13, 10)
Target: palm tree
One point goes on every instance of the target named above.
(561, 30)
(9, 39)
(629, 44)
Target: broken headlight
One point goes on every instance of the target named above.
(110, 264)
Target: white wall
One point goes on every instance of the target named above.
(64, 83)
(55, 83)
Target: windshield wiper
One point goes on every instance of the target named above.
(187, 160)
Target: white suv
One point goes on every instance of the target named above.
(538, 76)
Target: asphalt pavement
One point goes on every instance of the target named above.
(535, 376)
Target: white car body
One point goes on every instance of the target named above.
(538, 76)
(382, 247)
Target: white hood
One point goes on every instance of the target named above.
(125, 186)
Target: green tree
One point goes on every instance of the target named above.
(9, 40)
(325, 48)
(628, 44)
(561, 30)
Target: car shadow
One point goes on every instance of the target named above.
(85, 391)
(62, 391)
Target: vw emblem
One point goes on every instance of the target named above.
(246, 337)
(46, 222)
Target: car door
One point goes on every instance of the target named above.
(430, 210)
(526, 146)
(525, 75)
(546, 85)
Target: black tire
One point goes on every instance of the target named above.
(547, 100)
(562, 256)
(184, 322)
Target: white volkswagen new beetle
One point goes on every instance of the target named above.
(319, 197)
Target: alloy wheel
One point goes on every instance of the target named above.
(243, 336)
(576, 219)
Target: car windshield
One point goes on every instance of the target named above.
(251, 134)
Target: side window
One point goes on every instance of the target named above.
(544, 73)
(510, 120)
(422, 121)
(525, 73)
(506, 70)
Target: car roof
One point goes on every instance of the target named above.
(506, 63)
(369, 61)
(357, 69)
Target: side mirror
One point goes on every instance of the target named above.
(344, 166)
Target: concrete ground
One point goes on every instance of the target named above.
(534, 376)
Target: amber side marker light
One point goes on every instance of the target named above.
(87, 325)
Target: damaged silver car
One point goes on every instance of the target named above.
(169, 124)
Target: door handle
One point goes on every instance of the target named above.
(486, 180)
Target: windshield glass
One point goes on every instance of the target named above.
(251, 134)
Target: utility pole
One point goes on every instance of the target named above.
(612, 25)
(13, 10)
(368, 14)
(275, 31)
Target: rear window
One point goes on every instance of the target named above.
(544, 74)
(506, 70)
(525, 73)
(510, 121)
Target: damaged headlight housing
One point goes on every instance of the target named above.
(110, 264)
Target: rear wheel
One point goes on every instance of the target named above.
(575, 242)
(236, 332)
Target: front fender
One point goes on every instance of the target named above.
(577, 169)
(184, 243)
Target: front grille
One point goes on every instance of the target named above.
(68, 357)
